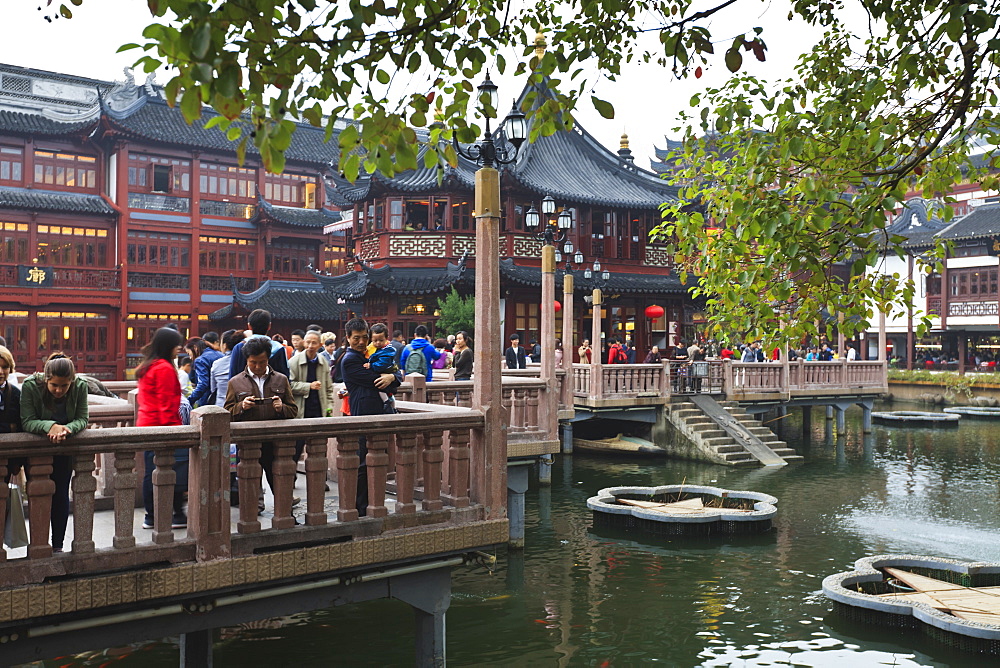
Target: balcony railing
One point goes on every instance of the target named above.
(972, 308)
(225, 283)
(209, 207)
(159, 202)
(162, 281)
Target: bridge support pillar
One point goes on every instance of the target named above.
(517, 485)
(545, 470)
(866, 418)
(429, 595)
(567, 438)
(829, 412)
(841, 420)
(807, 418)
(196, 649)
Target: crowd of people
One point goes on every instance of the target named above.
(253, 374)
(256, 375)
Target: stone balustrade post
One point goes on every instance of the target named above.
(418, 382)
(316, 468)
(40, 489)
(377, 461)
(209, 521)
(84, 486)
(164, 481)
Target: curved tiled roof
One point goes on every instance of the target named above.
(618, 282)
(17, 122)
(395, 280)
(290, 215)
(420, 180)
(984, 221)
(570, 165)
(50, 200)
(290, 300)
(152, 119)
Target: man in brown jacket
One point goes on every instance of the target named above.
(260, 393)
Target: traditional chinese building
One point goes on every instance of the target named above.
(118, 217)
(961, 301)
(413, 236)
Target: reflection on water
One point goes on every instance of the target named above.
(578, 598)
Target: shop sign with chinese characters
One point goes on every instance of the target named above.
(34, 276)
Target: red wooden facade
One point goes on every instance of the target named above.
(136, 223)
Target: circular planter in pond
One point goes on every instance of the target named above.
(952, 601)
(978, 412)
(671, 510)
(917, 418)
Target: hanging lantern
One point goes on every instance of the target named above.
(557, 306)
(654, 312)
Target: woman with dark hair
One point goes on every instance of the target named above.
(159, 401)
(204, 357)
(10, 407)
(463, 356)
(54, 404)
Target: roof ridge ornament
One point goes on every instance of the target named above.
(540, 44)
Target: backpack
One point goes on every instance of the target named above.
(441, 362)
(619, 356)
(415, 362)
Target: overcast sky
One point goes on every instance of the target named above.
(646, 98)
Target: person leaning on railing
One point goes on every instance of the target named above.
(54, 404)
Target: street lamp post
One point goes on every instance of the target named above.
(549, 232)
(569, 344)
(601, 276)
(489, 446)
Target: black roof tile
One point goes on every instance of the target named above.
(570, 165)
(290, 215)
(290, 300)
(17, 122)
(984, 221)
(151, 118)
(50, 200)
(618, 282)
(394, 280)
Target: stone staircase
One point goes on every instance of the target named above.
(710, 442)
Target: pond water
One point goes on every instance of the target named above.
(576, 598)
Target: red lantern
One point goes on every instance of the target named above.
(557, 306)
(654, 312)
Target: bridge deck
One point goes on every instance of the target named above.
(637, 385)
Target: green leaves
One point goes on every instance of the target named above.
(605, 109)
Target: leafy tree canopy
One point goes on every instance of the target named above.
(801, 175)
(797, 175)
(457, 314)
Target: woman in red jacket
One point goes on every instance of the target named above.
(159, 401)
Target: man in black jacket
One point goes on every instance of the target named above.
(363, 386)
(515, 355)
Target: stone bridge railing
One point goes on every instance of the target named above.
(804, 379)
(425, 449)
(736, 380)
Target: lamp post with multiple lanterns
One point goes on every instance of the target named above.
(600, 278)
(489, 446)
(550, 231)
(569, 329)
